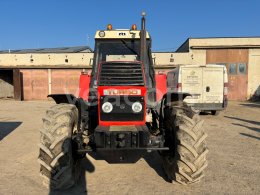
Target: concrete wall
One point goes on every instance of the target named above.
(78, 60)
(254, 73)
(198, 57)
(224, 42)
(52, 60)
(171, 58)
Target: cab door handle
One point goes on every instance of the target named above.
(207, 89)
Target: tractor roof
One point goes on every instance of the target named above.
(119, 34)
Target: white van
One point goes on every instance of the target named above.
(207, 85)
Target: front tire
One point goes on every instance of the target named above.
(58, 167)
(186, 160)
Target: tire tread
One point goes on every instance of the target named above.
(189, 158)
(56, 167)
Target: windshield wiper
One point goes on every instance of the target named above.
(132, 50)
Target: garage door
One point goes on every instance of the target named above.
(65, 81)
(35, 84)
(236, 61)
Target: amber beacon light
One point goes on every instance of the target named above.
(109, 27)
(134, 27)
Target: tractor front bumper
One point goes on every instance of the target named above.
(124, 144)
(126, 137)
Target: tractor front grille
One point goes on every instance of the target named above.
(121, 74)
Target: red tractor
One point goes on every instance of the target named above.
(123, 111)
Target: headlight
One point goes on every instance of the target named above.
(137, 107)
(107, 107)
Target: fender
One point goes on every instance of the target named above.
(167, 99)
(82, 106)
(174, 96)
(170, 97)
(64, 98)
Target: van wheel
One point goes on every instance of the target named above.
(186, 160)
(215, 112)
(58, 165)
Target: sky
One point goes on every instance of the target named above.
(28, 24)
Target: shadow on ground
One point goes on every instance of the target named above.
(251, 136)
(8, 127)
(256, 129)
(80, 187)
(250, 128)
(254, 105)
(154, 160)
(244, 120)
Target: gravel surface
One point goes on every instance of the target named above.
(233, 141)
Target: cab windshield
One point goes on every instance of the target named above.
(117, 50)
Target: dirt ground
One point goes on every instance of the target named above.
(233, 141)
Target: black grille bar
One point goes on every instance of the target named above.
(116, 73)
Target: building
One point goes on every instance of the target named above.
(241, 56)
(32, 74)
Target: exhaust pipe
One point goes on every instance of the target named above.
(143, 40)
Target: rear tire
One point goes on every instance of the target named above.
(58, 167)
(215, 112)
(184, 135)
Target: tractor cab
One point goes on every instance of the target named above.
(118, 45)
(122, 57)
